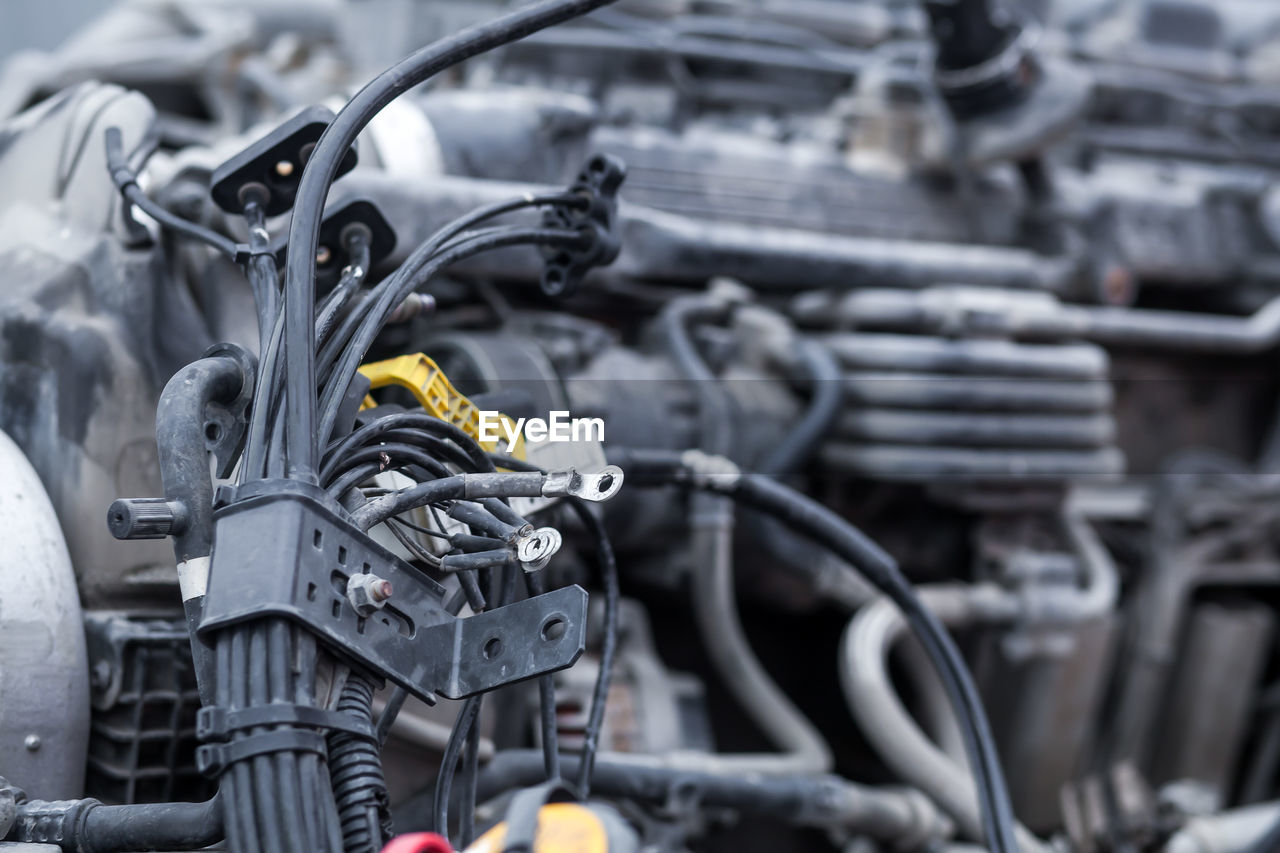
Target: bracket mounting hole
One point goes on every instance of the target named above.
(492, 648)
(553, 628)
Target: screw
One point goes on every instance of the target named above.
(32, 743)
(323, 255)
(380, 590)
(284, 168)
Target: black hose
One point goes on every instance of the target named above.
(797, 799)
(715, 411)
(183, 454)
(322, 168)
(359, 789)
(184, 472)
(825, 381)
(806, 516)
(147, 826)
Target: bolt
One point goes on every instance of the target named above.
(323, 255)
(380, 590)
(32, 743)
(284, 168)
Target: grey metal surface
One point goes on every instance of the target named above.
(44, 692)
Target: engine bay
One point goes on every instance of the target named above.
(665, 425)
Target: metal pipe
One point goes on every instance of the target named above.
(889, 727)
(1042, 316)
(803, 749)
(864, 674)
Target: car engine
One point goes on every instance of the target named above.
(672, 425)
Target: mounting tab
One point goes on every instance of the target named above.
(274, 163)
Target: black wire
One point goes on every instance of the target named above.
(477, 459)
(393, 524)
(126, 181)
(425, 531)
(444, 781)
(464, 248)
(459, 487)
(423, 253)
(470, 780)
(537, 585)
(609, 577)
(386, 456)
(322, 168)
(810, 518)
(348, 283)
(260, 270)
(443, 451)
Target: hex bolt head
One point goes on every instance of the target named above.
(368, 593)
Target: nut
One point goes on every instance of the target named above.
(368, 593)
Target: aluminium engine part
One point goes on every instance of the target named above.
(44, 692)
(957, 413)
(90, 333)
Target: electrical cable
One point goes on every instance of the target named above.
(126, 182)
(320, 171)
(537, 585)
(609, 576)
(464, 248)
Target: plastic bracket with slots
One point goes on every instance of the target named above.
(284, 549)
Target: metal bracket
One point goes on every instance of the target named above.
(288, 553)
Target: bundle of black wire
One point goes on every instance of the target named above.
(320, 171)
(813, 520)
